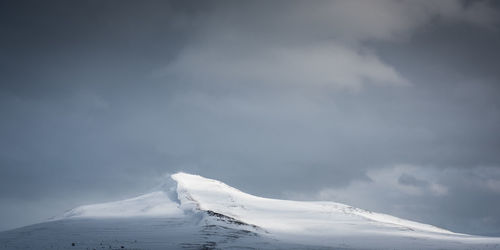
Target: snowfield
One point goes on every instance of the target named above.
(200, 213)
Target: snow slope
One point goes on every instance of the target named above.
(285, 215)
(320, 223)
(155, 204)
(200, 213)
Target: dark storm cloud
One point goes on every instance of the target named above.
(286, 99)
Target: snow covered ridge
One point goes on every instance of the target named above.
(285, 215)
(200, 213)
(197, 193)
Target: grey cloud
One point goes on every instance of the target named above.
(305, 44)
(352, 20)
(464, 197)
(410, 180)
(318, 66)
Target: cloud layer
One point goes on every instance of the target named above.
(406, 190)
(310, 45)
(333, 99)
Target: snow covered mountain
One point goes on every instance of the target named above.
(200, 213)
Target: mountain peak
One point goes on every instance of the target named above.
(193, 202)
(194, 193)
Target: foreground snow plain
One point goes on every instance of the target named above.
(200, 213)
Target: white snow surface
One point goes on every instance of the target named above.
(201, 213)
(155, 204)
(286, 215)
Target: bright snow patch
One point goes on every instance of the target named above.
(286, 215)
(156, 204)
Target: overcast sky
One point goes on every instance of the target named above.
(391, 106)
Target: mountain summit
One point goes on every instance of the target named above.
(200, 213)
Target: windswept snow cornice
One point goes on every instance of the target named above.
(206, 194)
